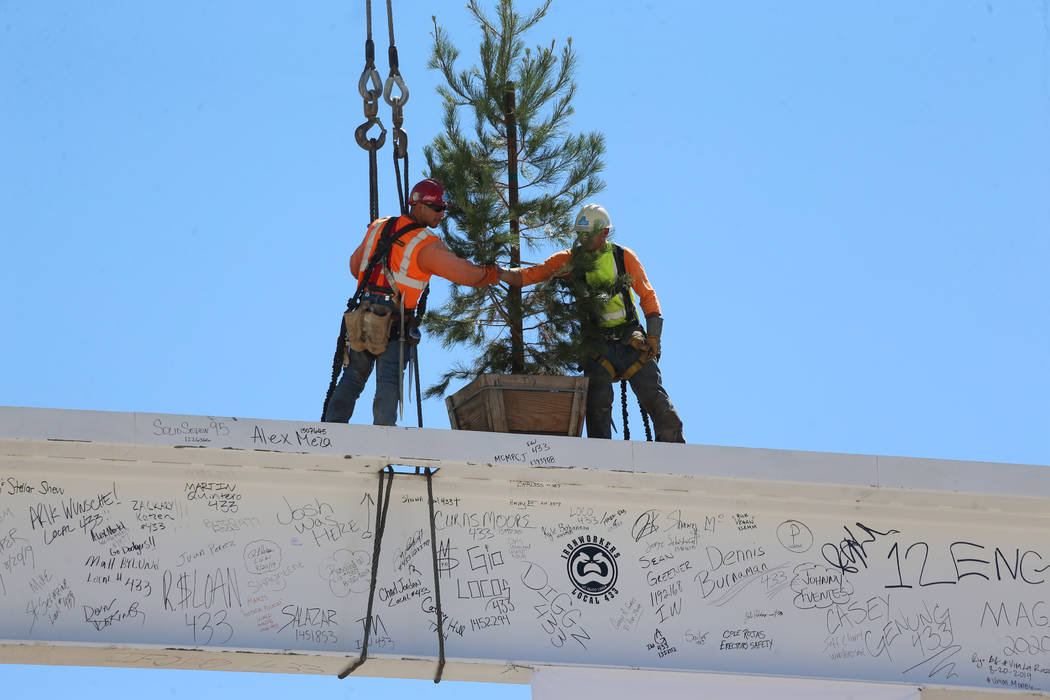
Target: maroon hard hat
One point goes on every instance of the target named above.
(427, 192)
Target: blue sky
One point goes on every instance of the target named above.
(843, 208)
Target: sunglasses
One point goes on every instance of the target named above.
(433, 207)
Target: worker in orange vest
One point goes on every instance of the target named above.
(627, 352)
(393, 265)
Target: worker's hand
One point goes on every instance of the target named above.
(638, 341)
(654, 326)
(654, 347)
(511, 277)
(648, 347)
(491, 275)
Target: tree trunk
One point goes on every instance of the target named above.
(517, 337)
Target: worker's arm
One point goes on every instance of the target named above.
(524, 276)
(654, 322)
(640, 283)
(436, 259)
(356, 260)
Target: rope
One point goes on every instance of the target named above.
(382, 505)
(337, 364)
(641, 409)
(623, 404)
(437, 582)
(645, 421)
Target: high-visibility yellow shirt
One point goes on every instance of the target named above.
(557, 265)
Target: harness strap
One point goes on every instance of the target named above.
(621, 269)
(628, 373)
(387, 238)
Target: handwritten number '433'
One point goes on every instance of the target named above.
(205, 625)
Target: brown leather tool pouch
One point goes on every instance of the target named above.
(368, 328)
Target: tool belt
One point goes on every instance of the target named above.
(371, 325)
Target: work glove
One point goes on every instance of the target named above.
(509, 276)
(644, 345)
(654, 326)
(491, 275)
(638, 341)
(654, 347)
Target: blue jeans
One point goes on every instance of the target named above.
(647, 384)
(384, 406)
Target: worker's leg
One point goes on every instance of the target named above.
(647, 384)
(599, 400)
(384, 408)
(341, 404)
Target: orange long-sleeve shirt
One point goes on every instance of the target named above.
(434, 257)
(553, 267)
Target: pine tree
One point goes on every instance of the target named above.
(503, 199)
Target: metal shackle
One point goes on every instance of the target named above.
(392, 79)
(362, 84)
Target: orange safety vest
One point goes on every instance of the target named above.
(403, 259)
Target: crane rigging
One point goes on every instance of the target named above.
(371, 88)
(370, 95)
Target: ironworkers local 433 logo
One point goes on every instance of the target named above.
(591, 563)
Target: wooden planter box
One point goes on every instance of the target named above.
(509, 403)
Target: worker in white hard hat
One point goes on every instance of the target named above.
(628, 352)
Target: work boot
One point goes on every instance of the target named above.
(670, 435)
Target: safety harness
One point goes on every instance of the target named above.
(380, 257)
(388, 238)
(629, 325)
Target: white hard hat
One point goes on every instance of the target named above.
(592, 217)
